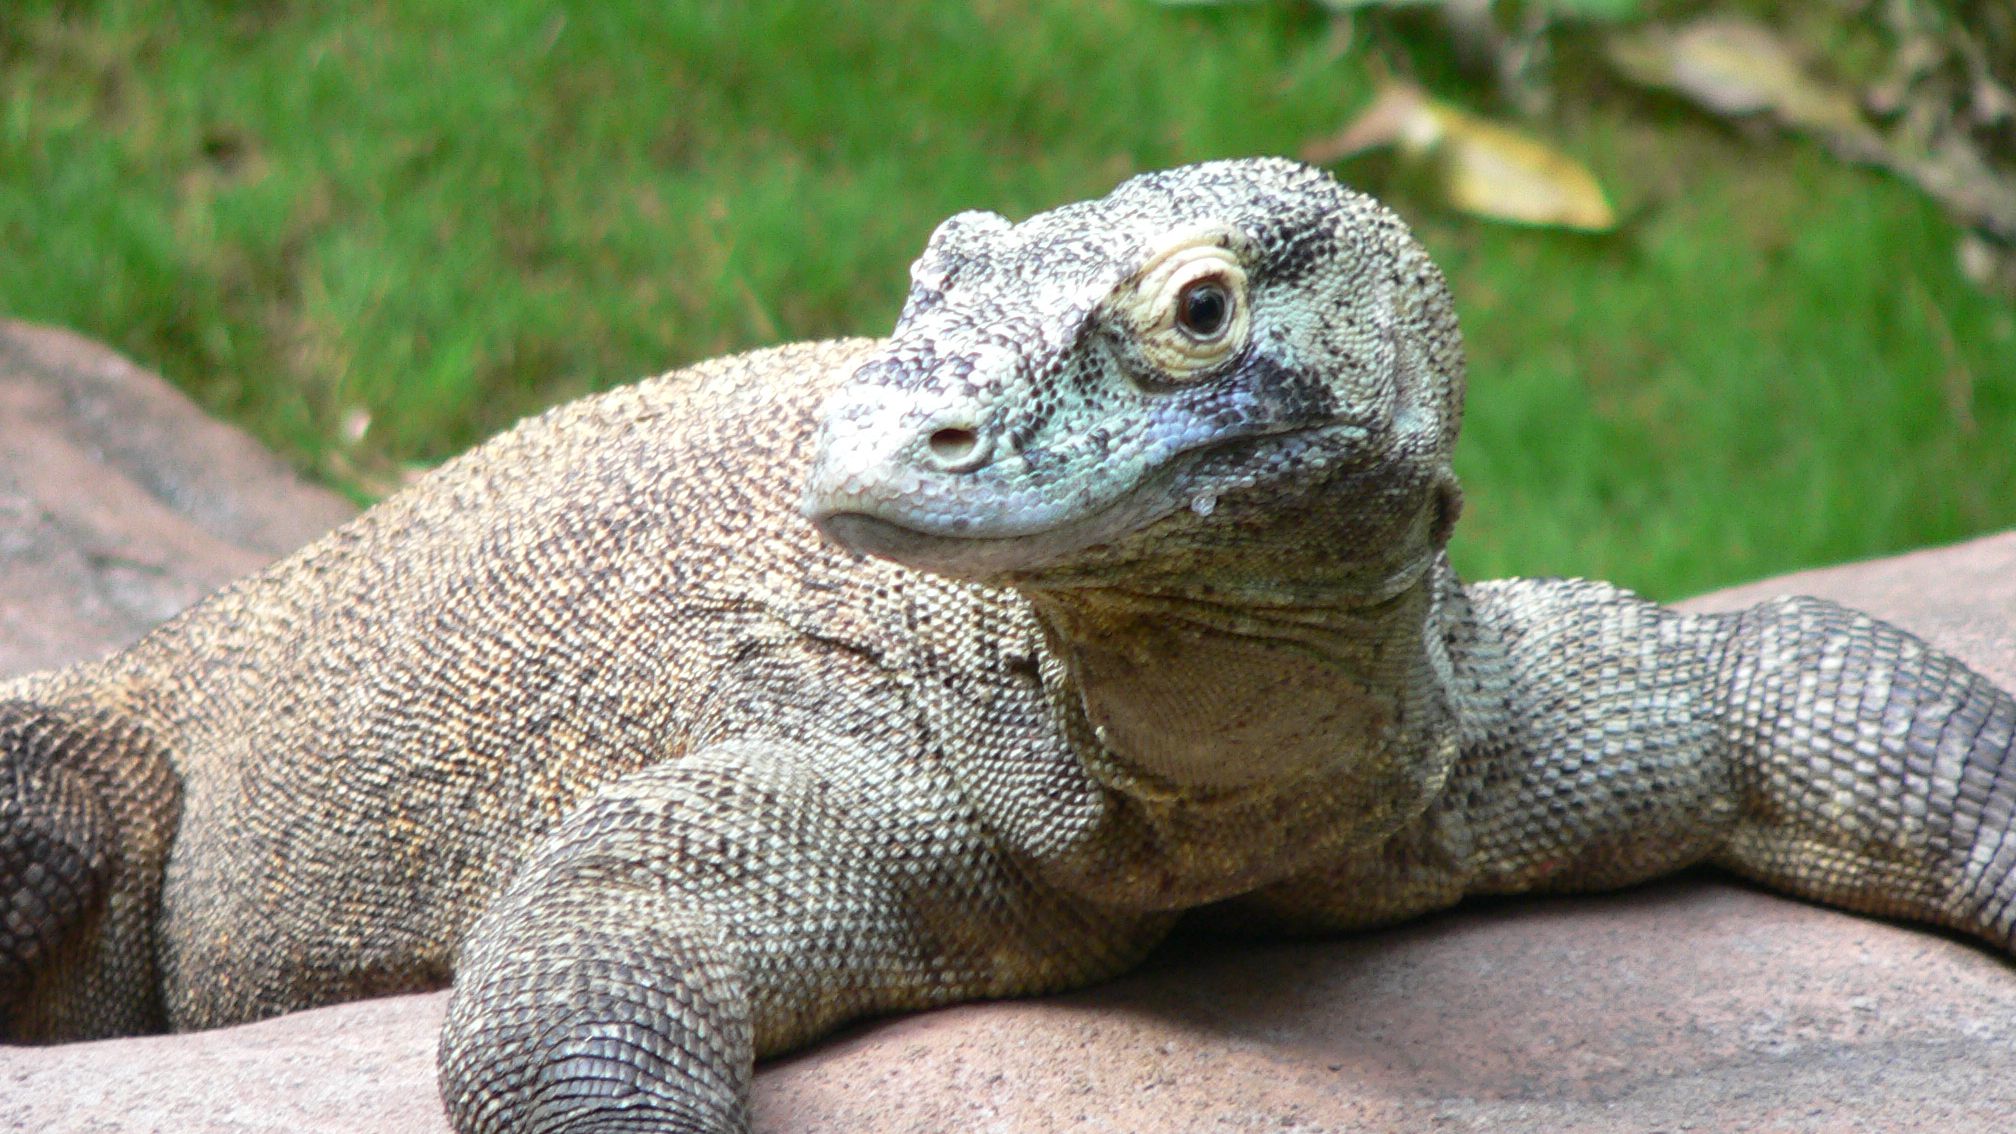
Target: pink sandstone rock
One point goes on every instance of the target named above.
(121, 502)
(1693, 1004)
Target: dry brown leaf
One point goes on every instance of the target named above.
(1734, 66)
(1378, 126)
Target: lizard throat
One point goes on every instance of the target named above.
(1206, 697)
(1232, 749)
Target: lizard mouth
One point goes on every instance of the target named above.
(886, 539)
(968, 532)
(960, 547)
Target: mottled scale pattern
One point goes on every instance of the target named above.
(1104, 617)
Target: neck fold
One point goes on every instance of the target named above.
(1226, 748)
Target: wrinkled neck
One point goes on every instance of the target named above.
(1226, 748)
(1199, 694)
(1248, 691)
(1277, 639)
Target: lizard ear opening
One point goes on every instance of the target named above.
(1448, 509)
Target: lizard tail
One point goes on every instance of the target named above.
(88, 803)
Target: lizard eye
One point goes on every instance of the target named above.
(1204, 309)
(1187, 311)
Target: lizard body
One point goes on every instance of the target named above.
(1154, 617)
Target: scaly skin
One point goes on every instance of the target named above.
(1154, 615)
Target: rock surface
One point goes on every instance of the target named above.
(1694, 1004)
(121, 502)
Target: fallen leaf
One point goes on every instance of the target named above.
(1481, 167)
(1733, 66)
(1495, 171)
(1377, 126)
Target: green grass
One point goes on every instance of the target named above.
(435, 217)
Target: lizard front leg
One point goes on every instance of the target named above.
(725, 906)
(1798, 743)
(1872, 771)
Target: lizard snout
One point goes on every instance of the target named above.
(882, 454)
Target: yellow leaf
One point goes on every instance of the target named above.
(1495, 171)
(1480, 167)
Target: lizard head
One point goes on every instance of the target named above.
(1203, 357)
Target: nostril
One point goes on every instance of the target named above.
(953, 445)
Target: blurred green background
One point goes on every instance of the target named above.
(373, 233)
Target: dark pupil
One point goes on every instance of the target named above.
(1204, 309)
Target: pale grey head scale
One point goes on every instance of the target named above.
(1038, 396)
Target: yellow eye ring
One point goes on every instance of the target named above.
(1187, 310)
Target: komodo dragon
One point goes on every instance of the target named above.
(1154, 615)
